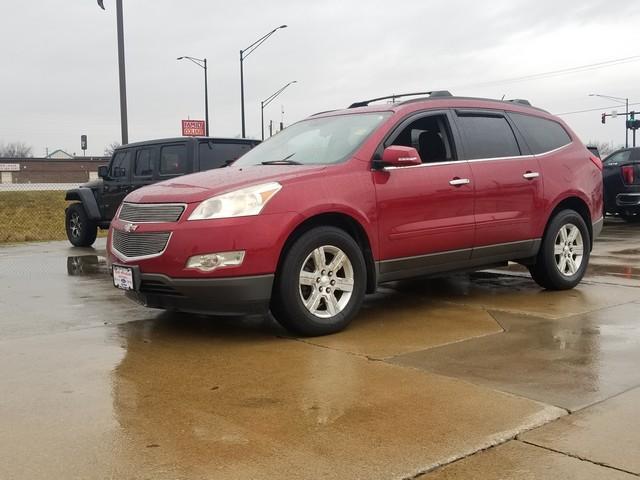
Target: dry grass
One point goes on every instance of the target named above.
(32, 216)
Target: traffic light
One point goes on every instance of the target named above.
(604, 118)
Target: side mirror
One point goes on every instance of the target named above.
(399, 156)
(103, 171)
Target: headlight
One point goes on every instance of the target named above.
(240, 203)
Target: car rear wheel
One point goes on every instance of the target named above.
(564, 253)
(321, 283)
(81, 231)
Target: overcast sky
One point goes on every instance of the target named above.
(60, 79)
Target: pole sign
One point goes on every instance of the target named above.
(193, 128)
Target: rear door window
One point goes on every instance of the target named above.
(487, 136)
(216, 155)
(173, 160)
(142, 166)
(542, 135)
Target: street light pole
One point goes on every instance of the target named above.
(122, 78)
(243, 55)
(202, 63)
(268, 100)
(626, 113)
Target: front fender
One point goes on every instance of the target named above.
(88, 200)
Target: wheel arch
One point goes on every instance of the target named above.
(578, 205)
(87, 200)
(344, 222)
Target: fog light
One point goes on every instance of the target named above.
(212, 261)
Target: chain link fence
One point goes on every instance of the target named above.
(32, 195)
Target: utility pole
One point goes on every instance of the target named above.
(243, 55)
(124, 127)
(202, 63)
(267, 101)
(626, 100)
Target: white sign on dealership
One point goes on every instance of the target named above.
(9, 167)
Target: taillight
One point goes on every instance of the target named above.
(628, 174)
(596, 161)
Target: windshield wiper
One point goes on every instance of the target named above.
(284, 161)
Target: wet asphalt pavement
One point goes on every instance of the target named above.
(470, 376)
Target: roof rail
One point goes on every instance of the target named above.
(324, 111)
(520, 101)
(435, 93)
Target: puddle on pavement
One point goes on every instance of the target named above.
(86, 265)
(569, 362)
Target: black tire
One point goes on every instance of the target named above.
(287, 304)
(81, 231)
(546, 271)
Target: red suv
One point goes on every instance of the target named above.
(308, 222)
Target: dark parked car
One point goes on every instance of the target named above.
(136, 165)
(315, 217)
(622, 184)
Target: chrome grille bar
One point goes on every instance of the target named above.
(151, 212)
(131, 245)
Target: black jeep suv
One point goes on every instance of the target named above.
(138, 164)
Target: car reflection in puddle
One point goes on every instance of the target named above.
(87, 265)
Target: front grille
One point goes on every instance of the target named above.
(134, 245)
(154, 287)
(150, 212)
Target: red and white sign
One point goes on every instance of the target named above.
(193, 128)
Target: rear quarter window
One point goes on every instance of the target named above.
(216, 155)
(542, 135)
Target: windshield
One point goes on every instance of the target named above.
(315, 141)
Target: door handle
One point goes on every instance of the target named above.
(530, 175)
(458, 182)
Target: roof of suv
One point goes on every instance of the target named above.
(183, 139)
(437, 98)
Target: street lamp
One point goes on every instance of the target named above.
(244, 54)
(270, 99)
(202, 63)
(626, 100)
(123, 83)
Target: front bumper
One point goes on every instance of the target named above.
(211, 296)
(626, 200)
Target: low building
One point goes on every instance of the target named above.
(50, 170)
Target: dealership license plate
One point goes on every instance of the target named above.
(123, 277)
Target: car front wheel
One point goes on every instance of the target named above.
(564, 253)
(321, 283)
(81, 231)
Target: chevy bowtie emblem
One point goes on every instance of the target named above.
(130, 227)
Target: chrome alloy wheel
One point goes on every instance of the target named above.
(568, 250)
(75, 225)
(326, 281)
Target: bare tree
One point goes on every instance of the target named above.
(109, 149)
(15, 150)
(605, 148)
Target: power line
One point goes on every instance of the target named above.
(554, 73)
(594, 109)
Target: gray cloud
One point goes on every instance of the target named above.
(60, 66)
